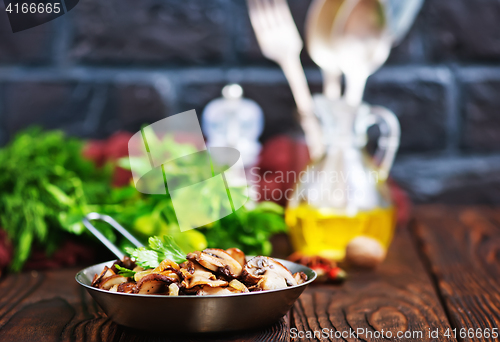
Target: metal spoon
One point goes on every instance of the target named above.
(319, 23)
(362, 42)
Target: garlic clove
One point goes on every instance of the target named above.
(364, 251)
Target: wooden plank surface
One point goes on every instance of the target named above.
(451, 257)
(51, 306)
(398, 297)
(462, 247)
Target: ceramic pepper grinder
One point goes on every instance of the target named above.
(234, 121)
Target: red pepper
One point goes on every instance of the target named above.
(322, 272)
(337, 274)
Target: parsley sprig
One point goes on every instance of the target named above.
(158, 250)
(125, 271)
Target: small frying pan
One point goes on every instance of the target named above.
(188, 314)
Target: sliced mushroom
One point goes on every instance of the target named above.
(300, 277)
(272, 281)
(217, 260)
(129, 287)
(109, 282)
(209, 272)
(267, 274)
(153, 284)
(238, 255)
(195, 275)
(128, 263)
(106, 272)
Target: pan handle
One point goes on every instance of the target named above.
(108, 219)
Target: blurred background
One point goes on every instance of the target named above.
(114, 65)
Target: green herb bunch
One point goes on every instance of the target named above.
(46, 186)
(248, 229)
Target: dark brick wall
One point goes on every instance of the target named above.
(110, 65)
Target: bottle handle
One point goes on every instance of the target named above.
(388, 142)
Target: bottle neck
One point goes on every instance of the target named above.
(342, 132)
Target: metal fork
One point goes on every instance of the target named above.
(279, 41)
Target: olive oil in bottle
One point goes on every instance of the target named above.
(344, 194)
(324, 232)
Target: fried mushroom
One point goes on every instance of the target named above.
(205, 273)
(237, 255)
(125, 262)
(153, 284)
(217, 260)
(109, 282)
(300, 277)
(129, 287)
(106, 272)
(267, 274)
(195, 275)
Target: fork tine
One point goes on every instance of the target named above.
(282, 11)
(280, 41)
(253, 14)
(266, 13)
(256, 17)
(274, 12)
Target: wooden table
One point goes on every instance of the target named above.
(442, 273)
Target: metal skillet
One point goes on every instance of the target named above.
(189, 314)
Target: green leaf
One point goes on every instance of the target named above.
(125, 271)
(144, 257)
(159, 249)
(23, 250)
(248, 229)
(167, 248)
(59, 195)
